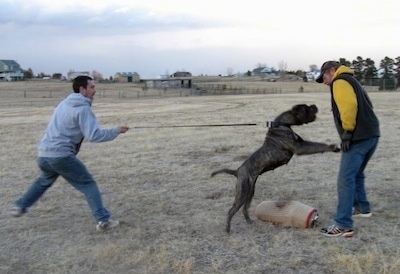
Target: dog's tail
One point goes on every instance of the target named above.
(225, 170)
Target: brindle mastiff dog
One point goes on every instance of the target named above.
(279, 146)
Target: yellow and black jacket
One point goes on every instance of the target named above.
(351, 106)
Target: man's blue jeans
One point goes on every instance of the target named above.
(351, 181)
(75, 172)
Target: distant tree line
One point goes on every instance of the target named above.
(28, 74)
(366, 71)
(386, 75)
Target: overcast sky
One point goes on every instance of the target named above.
(154, 37)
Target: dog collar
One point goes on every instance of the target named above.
(274, 124)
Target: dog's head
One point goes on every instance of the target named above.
(304, 114)
(298, 115)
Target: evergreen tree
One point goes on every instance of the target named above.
(387, 64)
(57, 76)
(370, 71)
(388, 80)
(344, 62)
(358, 67)
(28, 74)
(397, 70)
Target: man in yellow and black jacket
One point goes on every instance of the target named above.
(358, 128)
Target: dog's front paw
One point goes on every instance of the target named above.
(334, 148)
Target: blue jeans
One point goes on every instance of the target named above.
(351, 181)
(75, 172)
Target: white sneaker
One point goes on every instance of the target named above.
(16, 211)
(357, 213)
(104, 226)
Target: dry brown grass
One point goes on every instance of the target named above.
(157, 182)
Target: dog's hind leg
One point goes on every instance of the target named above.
(247, 203)
(242, 190)
(236, 206)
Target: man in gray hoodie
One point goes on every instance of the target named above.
(72, 121)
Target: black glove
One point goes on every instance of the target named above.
(334, 148)
(346, 139)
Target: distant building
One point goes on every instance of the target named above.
(127, 77)
(73, 74)
(182, 74)
(262, 71)
(312, 75)
(10, 71)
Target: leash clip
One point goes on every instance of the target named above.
(271, 124)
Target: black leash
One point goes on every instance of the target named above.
(212, 125)
(268, 124)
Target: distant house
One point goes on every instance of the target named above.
(73, 74)
(10, 71)
(127, 77)
(262, 71)
(312, 75)
(182, 74)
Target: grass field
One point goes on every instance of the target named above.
(157, 183)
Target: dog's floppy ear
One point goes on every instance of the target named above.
(298, 108)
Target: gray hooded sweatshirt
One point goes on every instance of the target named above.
(72, 121)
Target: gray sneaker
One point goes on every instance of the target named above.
(104, 226)
(17, 211)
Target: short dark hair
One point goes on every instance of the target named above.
(80, 81)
